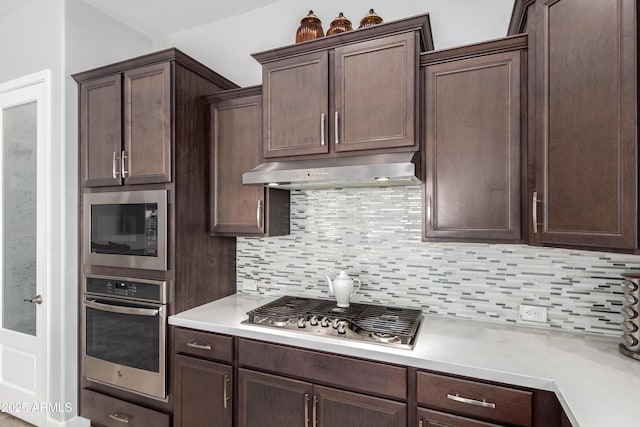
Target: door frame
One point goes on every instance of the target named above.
(45, 248)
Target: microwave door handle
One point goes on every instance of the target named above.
(122, 310)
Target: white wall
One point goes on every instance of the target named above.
(226, 45)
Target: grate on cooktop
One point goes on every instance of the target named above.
(389, 320)
(284, 308)
(330, 309)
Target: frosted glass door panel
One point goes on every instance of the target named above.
(19, 141)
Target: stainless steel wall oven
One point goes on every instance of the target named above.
(124, 334)
(126, 229)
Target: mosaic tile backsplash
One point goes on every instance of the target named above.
(375, 235)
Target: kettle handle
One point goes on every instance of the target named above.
(356, 288)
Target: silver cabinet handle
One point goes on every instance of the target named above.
(534, 212)
(336, 129)
(119, 418)
(306, 410)
(322, 129)
(482, 403)
(420, 422)
(123, 168)
(314, 413)
(225, 398)
(199, 346)
(115, 172)
(35, 300)
(259, 214)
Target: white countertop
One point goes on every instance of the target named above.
(596, 385)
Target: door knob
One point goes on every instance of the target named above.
(37, 299)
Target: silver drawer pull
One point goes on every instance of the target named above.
(225, 397)
(199, 346)
(482, 403)
(119, 418)
(123, 169)
(534, 212)
(115, 172)
(322, 129)
(306, 410)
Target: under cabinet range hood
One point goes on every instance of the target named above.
(373, 170)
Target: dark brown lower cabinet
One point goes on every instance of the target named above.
(107, 411)
(273, 401)
(430, 418)
(339, 408)
(203, 393)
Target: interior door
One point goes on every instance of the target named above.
(22, 249)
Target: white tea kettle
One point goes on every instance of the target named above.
(343, 289)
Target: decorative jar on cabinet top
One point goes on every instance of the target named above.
(339, 25)
(370, 19)
(310, 28)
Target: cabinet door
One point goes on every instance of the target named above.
(271, 401)
(147, 125)
(296, 104)
(585, 124)
(203, 392)
(101, 131)
(472, 189)
(236, 126)
(337, 408)
(375, 83)
(429, 418)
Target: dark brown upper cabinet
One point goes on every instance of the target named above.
(583, 123)
(236, 136)
(125, 127)
(346, 93)
(127, 118)
(472, 158)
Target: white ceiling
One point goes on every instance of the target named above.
(8, 6)
(158, 18)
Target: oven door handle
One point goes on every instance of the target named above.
(152, 312)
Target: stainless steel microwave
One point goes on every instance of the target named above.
(126, 229)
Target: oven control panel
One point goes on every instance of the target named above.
(135, 289)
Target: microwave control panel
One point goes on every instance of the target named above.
(134, 289)
(151, 229)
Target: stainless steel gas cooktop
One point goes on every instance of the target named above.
(391, 326)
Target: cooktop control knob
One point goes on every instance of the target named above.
(302, 323)
(335, 323)
(324, 322)
(313, 321)
(342, 327)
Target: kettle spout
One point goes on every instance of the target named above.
(330, 285)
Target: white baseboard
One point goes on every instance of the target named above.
(72, 422)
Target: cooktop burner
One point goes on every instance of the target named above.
(391, 326)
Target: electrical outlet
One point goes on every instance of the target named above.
(249, 284)
(533, 313)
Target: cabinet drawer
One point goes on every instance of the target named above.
(429, 418)
(346, 372)
(484, 401)
(111, 412)
(204, 344)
